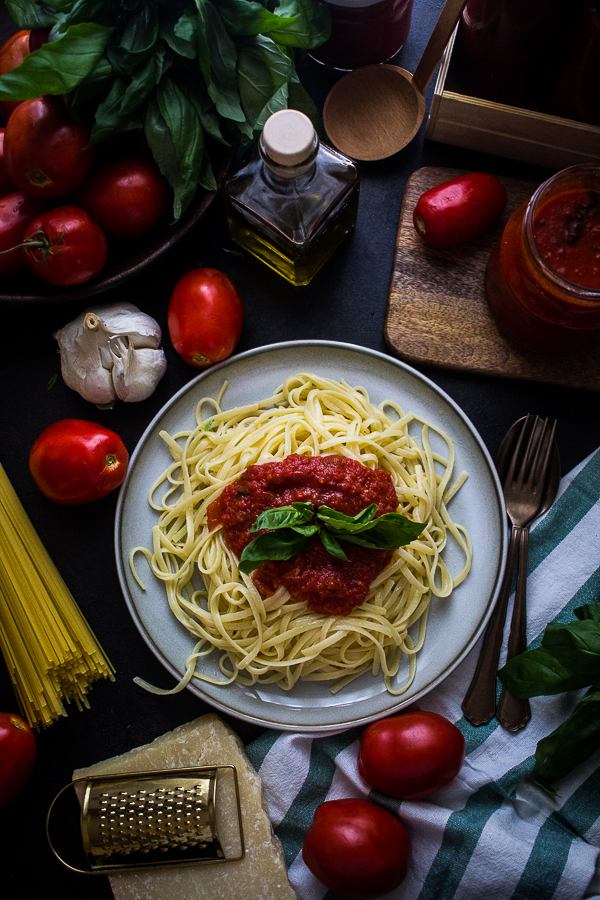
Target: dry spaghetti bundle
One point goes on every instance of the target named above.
(50, 651)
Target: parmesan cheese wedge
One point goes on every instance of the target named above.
(260, 875)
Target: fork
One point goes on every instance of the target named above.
(523, 489)
(514, 713)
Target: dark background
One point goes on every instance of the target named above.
(345, 302)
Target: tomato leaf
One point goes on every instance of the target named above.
(57, 67)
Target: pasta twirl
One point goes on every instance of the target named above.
(278, 639)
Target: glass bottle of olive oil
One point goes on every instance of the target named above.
(293, 199)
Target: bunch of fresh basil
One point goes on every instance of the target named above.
(291, 526)
(568, 659)
(183, 70)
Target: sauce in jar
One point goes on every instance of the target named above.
(364, 32)
(567, 232)
(542, 283)
(327, 584)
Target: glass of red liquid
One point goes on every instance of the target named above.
(364, 32)
(542, 282)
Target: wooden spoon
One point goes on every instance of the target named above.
(374, 111)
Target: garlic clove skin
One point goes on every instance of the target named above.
(112, 351)
(136, 372)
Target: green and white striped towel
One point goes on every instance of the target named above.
(492, 833)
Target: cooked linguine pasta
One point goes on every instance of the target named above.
(277, 639)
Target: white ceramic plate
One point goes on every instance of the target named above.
(454, 624)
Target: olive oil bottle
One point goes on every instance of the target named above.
(293, 200)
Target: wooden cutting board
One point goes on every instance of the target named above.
(437, 313)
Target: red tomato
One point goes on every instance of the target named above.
(75, 461)
(459, 210)
(64, 246)
(12, 54)
(357, 848)
(18, 750)
(16, 212)
(46, 154)
(411, 755)
(205, 317)
(126, 197)
(6, 185)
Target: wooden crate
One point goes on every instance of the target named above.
(521, 134)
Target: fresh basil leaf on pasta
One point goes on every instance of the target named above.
(284, 516)
(271, 546)
(332, 545)
(337, 521)
(388, 532)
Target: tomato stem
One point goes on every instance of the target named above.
(38, 239)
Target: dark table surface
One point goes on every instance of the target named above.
(346, 302)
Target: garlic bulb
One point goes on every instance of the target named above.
(112, 351)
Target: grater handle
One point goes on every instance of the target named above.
(79, 871)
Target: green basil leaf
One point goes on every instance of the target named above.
(275, 545)
(284, 516)
(310, 26)
(222, 88)
(589, 611)
(58, 67)
(182, 35)
(122, 101)
(307, 530)
(570, 744)
(262, 70)
(388, 532)
(245, 17)
(29, 15)
(338, 521)
(331, 544)
(537, 673)
(576, 645)
(185, 128)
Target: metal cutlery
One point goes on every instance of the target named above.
(529, 467)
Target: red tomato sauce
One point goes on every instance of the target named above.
(328, 585)
(567, 232)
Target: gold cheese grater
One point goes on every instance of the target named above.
(166, 817)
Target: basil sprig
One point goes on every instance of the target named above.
(291, 526)
(568, 659)
(183, 70)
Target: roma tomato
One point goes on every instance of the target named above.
(459, 210)
(16, 212)
(411, 755)
(126, 197)
(64, 246)
(74, 461)
(46, 154)
(357, 848)
(205, 317)
(6, 185)
(12, 54)
(18, 750)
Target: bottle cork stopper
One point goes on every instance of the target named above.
(288, 137)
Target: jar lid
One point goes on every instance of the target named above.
(288, 137)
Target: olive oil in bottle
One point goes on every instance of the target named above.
(293, 200)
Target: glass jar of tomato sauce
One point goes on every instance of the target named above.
(364, 32)
(542, 281)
